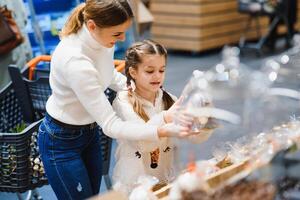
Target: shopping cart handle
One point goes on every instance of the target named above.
(33, 63)
(119, 65)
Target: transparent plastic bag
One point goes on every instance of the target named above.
(210, 97)
(281, 102)
(242, 103)
(194, 96)
(285, 68)
(187, 182)
(144, 188)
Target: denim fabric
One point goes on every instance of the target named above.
(71, 158)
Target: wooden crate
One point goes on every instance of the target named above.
(163, 192)
(214, 180)
(197, 25)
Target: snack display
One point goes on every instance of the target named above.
(260, 121)
(245, 190)
(224, 163)
(252, 177)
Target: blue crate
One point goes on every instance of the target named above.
(50, 39)
(48, 6)
(49, 17)
(50, 42)
(50, 24)
(32, 40)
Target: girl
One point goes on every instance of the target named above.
(145, 64)
(81, 69)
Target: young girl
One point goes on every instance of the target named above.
(145, 71)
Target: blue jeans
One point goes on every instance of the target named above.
(71, 158)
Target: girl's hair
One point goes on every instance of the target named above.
(133, 57)
(105, 13)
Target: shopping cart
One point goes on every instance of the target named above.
(21, 168)
(32, 89)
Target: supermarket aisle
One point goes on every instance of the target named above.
(179, 69)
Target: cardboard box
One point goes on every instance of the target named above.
(143, 16)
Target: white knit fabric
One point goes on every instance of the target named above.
(129, 165)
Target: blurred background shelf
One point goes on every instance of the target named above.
(47, 17)
(199, 25)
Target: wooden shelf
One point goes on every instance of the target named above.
(198, 25)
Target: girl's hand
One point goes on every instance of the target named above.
(174, 130)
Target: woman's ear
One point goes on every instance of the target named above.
(132, 72)
(91, 25)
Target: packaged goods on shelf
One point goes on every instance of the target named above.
(273, 167)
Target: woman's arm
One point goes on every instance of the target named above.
(85, 81)
(125, 111)
(118, 81)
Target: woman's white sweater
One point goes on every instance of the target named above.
(81, 69)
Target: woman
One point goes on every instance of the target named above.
(81, 69)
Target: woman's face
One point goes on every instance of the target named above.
(107, 37)
(149, 75)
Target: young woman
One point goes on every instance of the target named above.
(81, 69)
(145, 64)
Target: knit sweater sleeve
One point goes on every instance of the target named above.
(125, 110)
(118, 81)
(85, 82)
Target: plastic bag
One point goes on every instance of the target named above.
(143, 189)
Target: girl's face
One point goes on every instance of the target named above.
(107, 37)
(149, 75)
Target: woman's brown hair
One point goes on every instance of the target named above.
(133, 57)
(105, 13)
